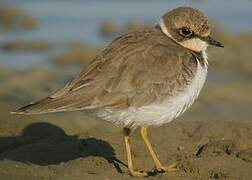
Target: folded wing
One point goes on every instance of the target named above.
(125, 74)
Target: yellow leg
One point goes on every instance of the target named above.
(159, 166)
(132, 172)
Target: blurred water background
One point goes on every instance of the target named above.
(79, 20)
(43, 44)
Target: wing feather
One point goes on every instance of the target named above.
(125, 74)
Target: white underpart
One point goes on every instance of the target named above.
(171, 107)
(162, 112)
(194, 44)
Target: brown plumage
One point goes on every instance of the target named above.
(146, 77)
(125, 74)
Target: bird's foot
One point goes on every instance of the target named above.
(162, 169)
(136, 173)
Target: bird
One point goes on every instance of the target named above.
(144, 78)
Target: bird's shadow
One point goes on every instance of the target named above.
(46, 144)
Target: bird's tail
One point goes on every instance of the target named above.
(47, 105)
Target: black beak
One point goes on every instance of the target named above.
(211, 41)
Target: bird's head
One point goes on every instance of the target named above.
(189, 28)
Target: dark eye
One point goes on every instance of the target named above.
(186, 32)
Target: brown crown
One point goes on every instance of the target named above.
(187, 17)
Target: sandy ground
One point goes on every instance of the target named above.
(213, 140)
(67, 147)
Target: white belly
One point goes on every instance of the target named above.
(157, 114)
